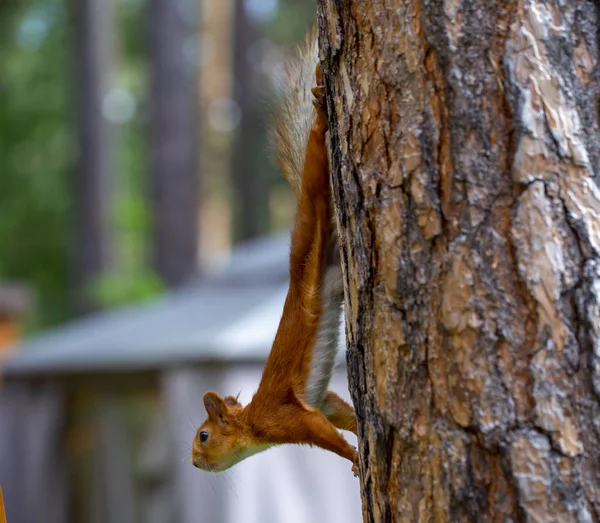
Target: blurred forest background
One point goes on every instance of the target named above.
(139, 198)
(133, 143)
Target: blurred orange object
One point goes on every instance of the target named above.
(2, 512)
(15, 303)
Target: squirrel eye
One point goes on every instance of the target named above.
(203, 436)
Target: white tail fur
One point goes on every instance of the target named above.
(326, 346)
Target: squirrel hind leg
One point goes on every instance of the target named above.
(339, 413)
(319, 101)
(321, 432)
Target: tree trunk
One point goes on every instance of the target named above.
(250, 196)
(174, 140)
(92, 235)
(464, 149)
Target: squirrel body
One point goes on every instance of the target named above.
(292, 404)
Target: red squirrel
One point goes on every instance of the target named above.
(292, 403)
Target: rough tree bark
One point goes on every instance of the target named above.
(465, 146)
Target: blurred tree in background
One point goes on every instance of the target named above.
(40, 148)
(93, 183)
(173, 138)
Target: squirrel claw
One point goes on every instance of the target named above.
(355, 464)
(319, 94)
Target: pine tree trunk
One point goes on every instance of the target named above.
(464, 150)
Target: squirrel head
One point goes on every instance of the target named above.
(220, 441)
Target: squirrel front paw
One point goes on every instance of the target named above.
(355, 463)
(319, 98)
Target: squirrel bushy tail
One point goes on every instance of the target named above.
(293, 110)
(293, 118)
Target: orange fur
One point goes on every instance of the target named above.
(2, 512)
(279, 413)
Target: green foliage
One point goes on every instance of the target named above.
(118, 289)
(293, 19)
(36, 152)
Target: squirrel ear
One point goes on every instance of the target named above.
(214, 405)
(231, 401)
